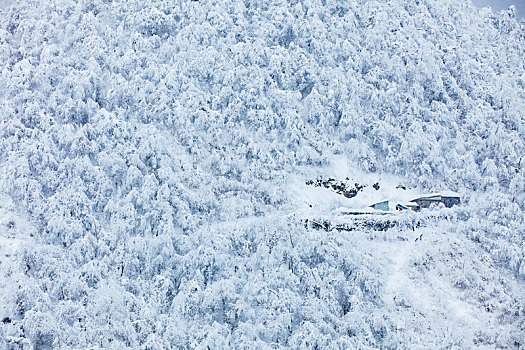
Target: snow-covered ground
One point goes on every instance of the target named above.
(155, 155)
(16, 234)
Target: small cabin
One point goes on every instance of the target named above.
(449, 200)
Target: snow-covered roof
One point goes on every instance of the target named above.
(440, 194)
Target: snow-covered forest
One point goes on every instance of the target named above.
(154, 154)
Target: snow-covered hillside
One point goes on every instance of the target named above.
(154, 158)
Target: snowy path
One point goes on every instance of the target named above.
(433, 283)
(428, 298)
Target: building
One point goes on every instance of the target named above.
(381, 206)
(400, 204)
(448, 199)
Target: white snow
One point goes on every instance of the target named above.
(154, 158)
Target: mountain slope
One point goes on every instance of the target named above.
(159, 150)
